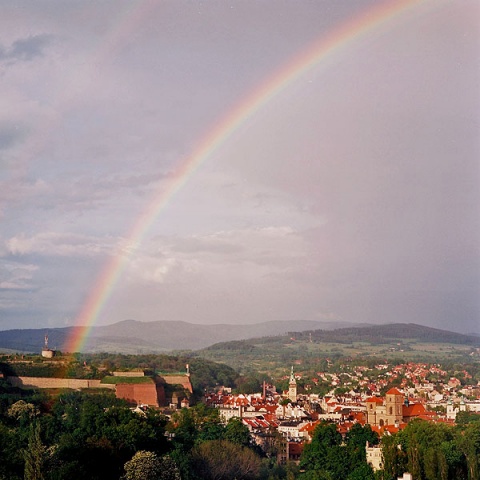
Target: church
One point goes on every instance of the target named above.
(394, 409)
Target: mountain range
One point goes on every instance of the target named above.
(135, 337)
(132, 336)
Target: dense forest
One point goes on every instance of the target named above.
(386, 333)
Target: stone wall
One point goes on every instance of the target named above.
(143, 393)
(44, 382)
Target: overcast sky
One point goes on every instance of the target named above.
(352, 195)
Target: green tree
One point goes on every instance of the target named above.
(224, 460)
(12, 461)
(361, 472)
(149, 466)
(464, 418)
(183, 429)
(394, 457)
(468, 442)
(34, 455)
(211, 431)
(356, 441)
(325, 455)
(23, 411)
(237, 433)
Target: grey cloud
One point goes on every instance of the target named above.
(353, 192)
(89, 192)
(16, 276)
(9, 136)
(25, 49)
(67, 193)
(52, 244)
(210, 244)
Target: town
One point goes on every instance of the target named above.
(296, 415)
(379, 400)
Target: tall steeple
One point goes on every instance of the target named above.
(292, 387)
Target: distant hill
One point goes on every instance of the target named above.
(395, 333)
(390, 332)
(131, 336)
(310, 348)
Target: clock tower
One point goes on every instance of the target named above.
(292, 387)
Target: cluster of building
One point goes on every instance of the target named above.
(292, 417)
(288, 419)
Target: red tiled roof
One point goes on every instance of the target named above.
(413, 410)
(374, 400)
(271, 408)
(359, 417)
(250, 422)
(391, 428)
(388, 428)
(309, 427)
(394, 391)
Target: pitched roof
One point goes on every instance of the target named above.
(309, 427)
(374, 400)
(413, 410)
(394, 391)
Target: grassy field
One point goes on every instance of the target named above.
(268, 356)
(134, 380)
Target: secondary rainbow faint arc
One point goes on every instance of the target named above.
(327, 46)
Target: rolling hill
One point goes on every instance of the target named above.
(410, 342)
(131, 336)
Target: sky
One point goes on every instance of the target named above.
(352, 194)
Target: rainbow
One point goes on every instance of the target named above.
(326, 47)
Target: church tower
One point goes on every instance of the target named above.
(394, 406)
(292, 387)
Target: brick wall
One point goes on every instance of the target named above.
(141, 393)
(183, 380)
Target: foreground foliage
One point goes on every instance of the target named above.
(76, 435)
(330, 456)
(149, 466)
(434, 451)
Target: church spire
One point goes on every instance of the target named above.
(292, 387)
(292, 377)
